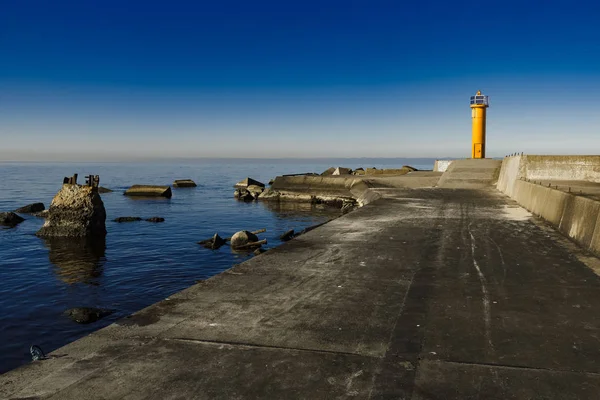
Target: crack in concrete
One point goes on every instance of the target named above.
(517, 367)
(262, 346)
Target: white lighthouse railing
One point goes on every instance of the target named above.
(480, 99)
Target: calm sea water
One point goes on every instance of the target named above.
(140, 263)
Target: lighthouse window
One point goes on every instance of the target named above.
(479, 100)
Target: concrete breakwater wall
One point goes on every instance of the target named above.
(441, 165)
(574, 215)
(362, 189)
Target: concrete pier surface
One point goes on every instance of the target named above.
(432, 293)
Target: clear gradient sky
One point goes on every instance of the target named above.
(296, 78)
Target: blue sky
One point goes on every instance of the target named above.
(296, 79)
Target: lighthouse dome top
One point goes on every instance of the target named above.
(480, 99)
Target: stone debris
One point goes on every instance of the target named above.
(244, 195)
(328, 171)
(289, 235)
(10, 219)
(184, 183)
(217, 241)
(87, 315)
(31, 208)
(243, 184)
(214, 243)
(149, 191)
(342, 171)
(127, 219)
(135, 219)
(76, 211)
(248, 189)
(242, 238)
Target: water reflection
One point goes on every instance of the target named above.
(77, 260)
(291, 209)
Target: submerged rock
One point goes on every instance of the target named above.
(243, 195)
(104, 190)
(149, 191)
(250, 194)
(10, 219)
(259, 251)
(214, 243)
(243, 238)
(127, 219)
(184, 183)
(31, 208)
(255, 190)
(76, 211)
(289, 235)
(87, 315)
(155, 219)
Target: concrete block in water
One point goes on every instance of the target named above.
(149, 191)
(184, 183)
(76, 211)
(244, 184)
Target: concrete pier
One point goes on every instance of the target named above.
(423, 294)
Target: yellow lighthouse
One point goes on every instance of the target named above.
(479, 104)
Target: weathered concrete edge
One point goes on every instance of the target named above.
(362, 189)
(110, 344)
(574, 216)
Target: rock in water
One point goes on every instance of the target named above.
(255, 190)
(216, 242)
(184, 183)
(289, 235)
(87, 315)
(155, 219)
(242, 238)
(243, 184)
(149, 191)
(127, 219)
(31, 208)
(76, 211)
(104, 190)
(10, 219)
